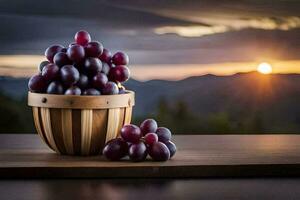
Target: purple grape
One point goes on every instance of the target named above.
(37, 83)
(61, 59)
(76, 53)
(93, 49)
(55, 87)
(74, 90)
(105, 56)
(93, 66)
(51, 51)
(105, 68)
(115, 149)
(42, 65)
(159, 152)
(83, 82)
(151, 138)
(120, 58)
(69, 75)
(91, 92)
(172, 148)
(131, 133)
(99, 80)
(120, 73)
(82, 37)
(137, 152)
(148, 126)
(50, 72)
(164, 134)
(110, 88)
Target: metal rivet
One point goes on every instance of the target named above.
(107, 102)
(44, 100)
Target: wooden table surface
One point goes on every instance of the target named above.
(280, 149)
(25, 156)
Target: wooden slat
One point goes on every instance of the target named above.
(66, 125)
(86, 131)
(112, 123)
(76, 128)
(37, 122)
(128, 113)
(99, 130)
(121, 120)
(56, 128)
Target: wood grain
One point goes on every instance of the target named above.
(197, 156)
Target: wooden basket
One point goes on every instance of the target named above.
(80, 125)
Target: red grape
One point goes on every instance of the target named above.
(82, 37)
(120, 73)
(76, 53)
(83, 81)
(50, 72)
(61, 59)
(55, 87)
(51, 51)
(159, 152)
(93, 66)
(93, 49)
(105, 68)
(131, 133)
(69, 75)
(37, 83)
(110, 88)
(120, 58)
(148, 126)
(74, 90)
(99, 80)
(164, 134)
(172, 148)
(151, 138)
(91, 92)
(137, 152)
(105, 56)
(42, 65)
(115, 149)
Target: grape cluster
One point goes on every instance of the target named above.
(84, 68)
(138, 142)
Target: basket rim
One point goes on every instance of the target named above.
(81, 102)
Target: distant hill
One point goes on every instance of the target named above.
(244, 102)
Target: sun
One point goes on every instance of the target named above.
(264, 68)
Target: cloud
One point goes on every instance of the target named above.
(221, 25)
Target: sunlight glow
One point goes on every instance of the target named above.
(264, 68)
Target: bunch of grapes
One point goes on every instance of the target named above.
(84, 68)
(138, 142)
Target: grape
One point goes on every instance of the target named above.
(42, 65)
(76, 53)
(159, 152)
(93, 49)
(164, 134)
(37, 83)
(120, 58)
(93, 66)
(105, 56)
(92, 92)
(120, 73)
(172, 148)
(110, 88)
(122, 90)
(55, 87)
(61, 59)
(148, 126)
(69, 75)
(137, 152)
(115, 149)
(99, 80)
(74, 90)
(51, 51)
(131, 133)
(83, 81)
(151, 138)
(50, 72)
(82, 37)
(105, 68)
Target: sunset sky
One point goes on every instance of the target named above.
(167, 39)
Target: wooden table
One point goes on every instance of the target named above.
(239, 156)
